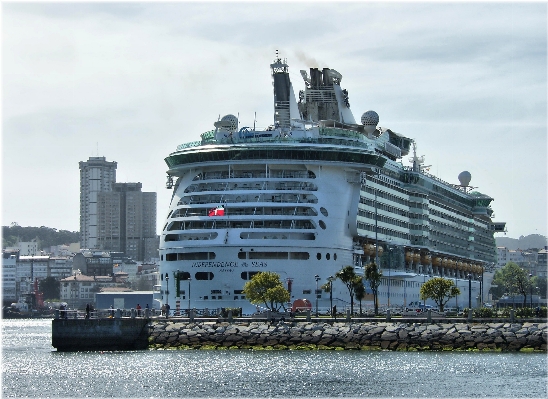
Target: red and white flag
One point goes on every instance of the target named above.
(219, 211)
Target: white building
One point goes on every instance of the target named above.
(9, 275)
(527, 260)
(79, 290)
(96, 176)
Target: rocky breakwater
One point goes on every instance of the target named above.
(493, 336)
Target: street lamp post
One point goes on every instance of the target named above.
(531, 291)
(389, 272)
(469, 291)
(330, 279)
(317, 279)
(167, 289)
(189, 278)
(456, 296)
(423, 282)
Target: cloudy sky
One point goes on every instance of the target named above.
(131, 81)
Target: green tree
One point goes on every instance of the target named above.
(348, 277)
(266, 288)
(440, 289)
(359, 293)
(50, 287)
(373, 275)
(515, 280)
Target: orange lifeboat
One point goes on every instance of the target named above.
(380, 250)
(426, 259)
(436, 261)
(417, 257)
(409, 256)
(444, 262)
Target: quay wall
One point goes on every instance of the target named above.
(100, 334)
(394, 335)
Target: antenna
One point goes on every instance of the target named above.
(254, 120)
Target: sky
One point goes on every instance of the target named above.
(131, 81)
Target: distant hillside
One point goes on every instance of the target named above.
(531, 241)
(46, 236)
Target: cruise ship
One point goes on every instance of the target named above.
(310, 194)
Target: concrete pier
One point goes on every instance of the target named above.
(100, 334)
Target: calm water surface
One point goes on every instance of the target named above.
(32, 368)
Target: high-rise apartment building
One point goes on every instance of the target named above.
(127, 221)
(116, 216)
(96, 176)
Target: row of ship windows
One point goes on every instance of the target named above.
(242, 224)
(395, 222)
(385, 231)
(171, 257)
(256, 174)
(264, 185)
(292, 198)
(250, 210)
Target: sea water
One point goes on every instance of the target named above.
(32, 368)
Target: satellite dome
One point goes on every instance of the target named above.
(464, 178)
(232, 124)
(370, 118)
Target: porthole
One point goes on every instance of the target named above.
(334, 256)
(323, 211)
(318, 256)
(327, 256)
(322, 224)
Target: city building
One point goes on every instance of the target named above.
(93, 263)
(79, 290)
(533, 261)
(20, 272)
(127, 221)
(542, 270)
(116, 216)
(96, 176)
(9, 276)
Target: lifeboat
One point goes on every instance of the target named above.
(417, 257)
(409, 256)
(444, 262)
(426, 259)
(380, 250)
(436, 261)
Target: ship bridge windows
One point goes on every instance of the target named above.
(291, 154)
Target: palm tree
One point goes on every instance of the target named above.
(373, 276)
(359, 292)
